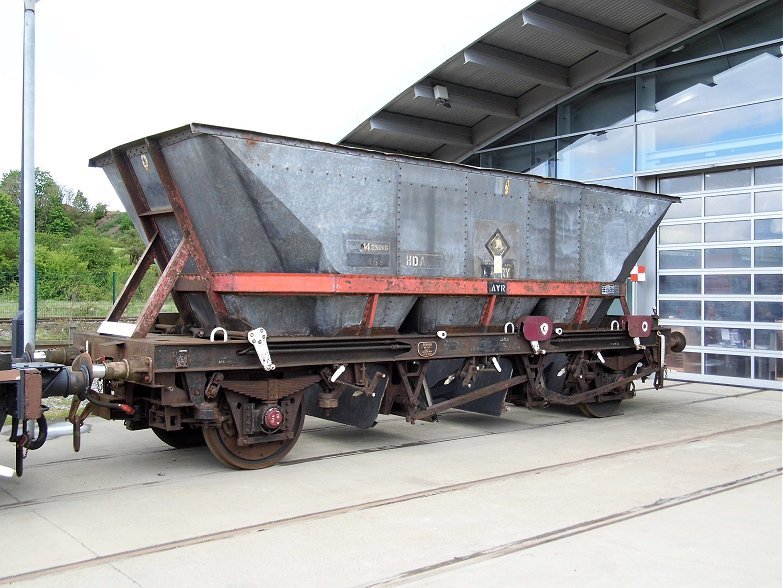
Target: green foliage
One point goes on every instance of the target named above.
(99, 212)
(67, 276)
(9, 213)
(126, 224)
(78, 248)
(95, 251)
(79, 202)
(132, 245)
(11, 184)
(55, 220)
(9, 261)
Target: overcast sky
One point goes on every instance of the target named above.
(111, 71)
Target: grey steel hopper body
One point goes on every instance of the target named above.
(261, 203)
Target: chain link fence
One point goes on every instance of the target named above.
(65, 301)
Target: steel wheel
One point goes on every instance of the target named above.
(222, 442)
(182, 439)
(601, 409)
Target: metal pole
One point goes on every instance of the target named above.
(28, 174)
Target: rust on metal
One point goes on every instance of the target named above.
(134, 281)
(161, 291)
(579, 316)
(486, 313)
(33, 383)
(370, 309)
(186, 225)
(147, 219)
(326, 284)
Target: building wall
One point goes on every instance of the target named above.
(701, 120)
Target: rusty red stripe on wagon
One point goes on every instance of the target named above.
(325, 284)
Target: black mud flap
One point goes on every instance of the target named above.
(358, 411)
(441, 372)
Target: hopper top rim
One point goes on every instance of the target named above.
(184, 132)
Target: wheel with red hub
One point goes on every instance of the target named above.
(223, 441)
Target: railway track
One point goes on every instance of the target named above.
(6, 347)
(521, 544)
(332, 456)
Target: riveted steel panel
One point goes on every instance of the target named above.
(266, 204)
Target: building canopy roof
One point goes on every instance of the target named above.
(548, 52)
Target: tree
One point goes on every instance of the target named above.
(99, 212)
(11, 184)
(50, 216)
(80, 203)
(95, 251)
(9, 213)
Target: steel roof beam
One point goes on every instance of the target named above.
(478, 100)
(516, 64)
(400, 124)
(573, 28)
(684, 10)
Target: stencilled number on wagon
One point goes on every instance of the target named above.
(367, 253)
(422, 260)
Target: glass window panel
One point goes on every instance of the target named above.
(710, 84)
(689, 310)
(603, 106)
(728, 231)
(769, 201)
(769, 368)
(596, 155)
(687, 208)
(732, 366)
(768, 339)
(537, 158)
(692, 334)
(732, 178)
(769, 174)
(728, 257)
(680, 284)
(768, 312)
(769, 256)
(671, 234)
(625, 182)
(731, 204)
(726, 337)
(474, 160)
(727, 284)
(541, 128)
(764, 24)
(759, 26)
(735, 311)
(768, 284)
(681, 259)
(768, 228)
(755, 130)
(687, 362)
(680, 184)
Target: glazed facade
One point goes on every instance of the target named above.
(702, 121)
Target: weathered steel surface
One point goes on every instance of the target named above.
(262, 204)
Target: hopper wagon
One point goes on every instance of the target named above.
(318, 280)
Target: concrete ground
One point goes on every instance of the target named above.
(684, 489)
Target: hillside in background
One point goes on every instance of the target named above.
(83, 252)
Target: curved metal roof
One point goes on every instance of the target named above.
(546, 53)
